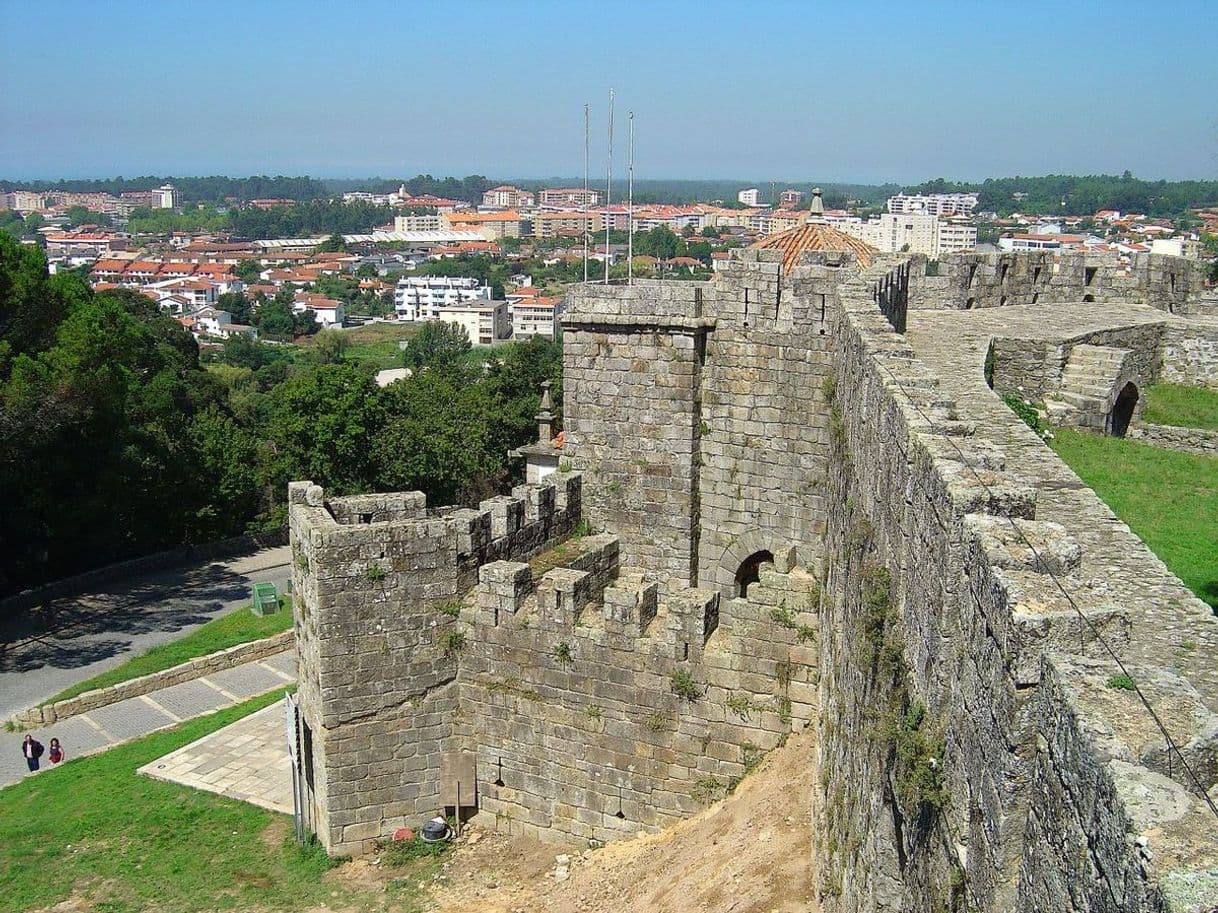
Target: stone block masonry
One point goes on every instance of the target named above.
(802, 517)
(990, 774)
(377, 579)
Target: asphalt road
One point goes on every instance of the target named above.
(70, 640)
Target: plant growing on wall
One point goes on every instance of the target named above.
(562, 653)
(452, 643)
(683, 685)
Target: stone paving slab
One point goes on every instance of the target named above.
(247, 680)
(246, 760)
(189, 699)
(283, 662)
(109, 726)
(130, 718)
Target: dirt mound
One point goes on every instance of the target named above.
(748, 853)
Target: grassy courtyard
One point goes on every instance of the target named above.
(1175, 404)
(237, 627)
(1170, 499)
(96, 833)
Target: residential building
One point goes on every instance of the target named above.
(491, 225)
(421, 297)
(328, 312)
(933, 204)
(573, 197)
(913, 233)
(417, 223)
(536, 317)
(485, 322)
(569, 223)
(791, 197)
(508, 197)
(1031, 241)
(26, 200)
(164, 197)
(750, 197)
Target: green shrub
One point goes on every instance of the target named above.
(1025, 411)
(452, 643)
(1121, 682)
(683, 685)
(562, 653)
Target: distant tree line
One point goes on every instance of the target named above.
(1064, 194)
(116, 441)
(214, 189)
(316, 217)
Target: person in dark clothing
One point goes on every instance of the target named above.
(55, 752)
(31, 748)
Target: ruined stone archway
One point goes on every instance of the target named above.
(721, 573)
(749, 571)
(1123, 409)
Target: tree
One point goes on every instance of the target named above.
(248, 271)
(332, 244)
(236, 304)
(275, 320)
(330, 346)
(434, 438)
(323, 422)
(438, 344)
(79, 215)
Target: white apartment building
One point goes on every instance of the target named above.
(485, 322)
(891, 233)
(569, 197)
(536, 317)
(418, 223)
(750, 197)
(508, 197)
(933, 204)
(791, 197)
(422, 297)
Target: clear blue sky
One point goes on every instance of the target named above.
(757, 90)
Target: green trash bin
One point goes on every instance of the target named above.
(266, 600)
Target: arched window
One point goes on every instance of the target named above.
(750, 571)
(1122, 409)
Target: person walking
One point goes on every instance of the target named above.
(31, 748)
(55, 752)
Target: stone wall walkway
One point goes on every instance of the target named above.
(98, 730)
(1165, 616)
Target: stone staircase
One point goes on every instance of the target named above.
(1089, 378)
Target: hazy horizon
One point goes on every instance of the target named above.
(867, 94)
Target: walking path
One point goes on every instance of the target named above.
(107, 726)
(246, 760)
(72, 639)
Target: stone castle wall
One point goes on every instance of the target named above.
(969, 757)
(974, 755)
(373, 576)
(699, 412)
(967, 281)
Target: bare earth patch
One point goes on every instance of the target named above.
(748, 853)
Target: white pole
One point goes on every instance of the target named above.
(630, 210)
(584, 206)
(608, 186)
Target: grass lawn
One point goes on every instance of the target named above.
(1176, 404)
(376, 343)
(237, 627)
(121, 843)
(1168, 498)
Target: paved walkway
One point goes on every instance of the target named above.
(107, 726)
(70, 640)
(246, 760)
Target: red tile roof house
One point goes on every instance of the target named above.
(326, 311)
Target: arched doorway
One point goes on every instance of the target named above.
(1122, 410)
(750, 570)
